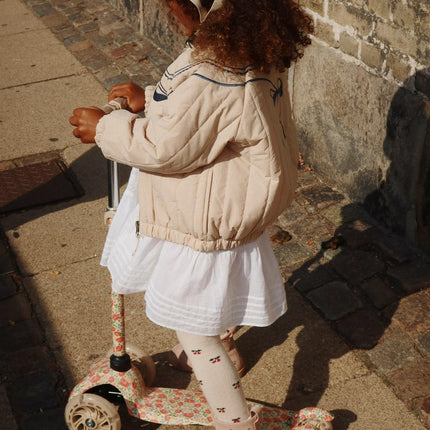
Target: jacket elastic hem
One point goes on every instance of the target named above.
(163, 233)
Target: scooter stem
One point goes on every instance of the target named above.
(113, 185)
(119, 359)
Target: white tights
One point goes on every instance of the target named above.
(217, 377)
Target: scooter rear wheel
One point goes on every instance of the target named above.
(90, 411)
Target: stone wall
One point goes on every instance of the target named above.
(361, 103)
(150, 18)
(360, 99)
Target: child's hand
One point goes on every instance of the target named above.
(134, 94)
(85, 120)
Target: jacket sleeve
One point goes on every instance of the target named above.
(196, 122)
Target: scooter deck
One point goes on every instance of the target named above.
(185, 407)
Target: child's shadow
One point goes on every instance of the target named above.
(350, 287)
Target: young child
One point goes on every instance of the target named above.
(214, 164)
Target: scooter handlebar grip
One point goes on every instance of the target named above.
(115, 104)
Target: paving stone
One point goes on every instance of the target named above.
(123, 62)
(306, 178)
(423, 408)
(80, 45)
(34, 2)
(411, 381)
(355, 234)
(379, 291)
(139, 68)
(140, 57)
(89, 26)
(321, 195)
(99, 40)
(107, 73)
(52, 419)
(80, 18)
(149, 47)
(96, 9)
(7, 421)
(334, 300)
(34, 392)
(160, 61)
(108, 18)
(355, 213)
(54, 19)
(7, 287)
(6, 262)
(68, 35)
(74, 39)
(144, 80)
(362, 329)
(334, 214)
(123, 50)
(109, 27)
(423, 341)
(22, 335)
(43, 9)
(395, 351)
(92, 58)
(29, 360)
(115, 80)
(413, 276)
(356, 266)
(314, 231)
(412, 313)
(395, 247)
(305, 281)
(14, 308)
(124, 34)
(291, 253)
(294, 213)
(59, 4)
(330, 254)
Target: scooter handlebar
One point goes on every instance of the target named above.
(115, 104)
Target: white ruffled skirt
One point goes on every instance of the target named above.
(195, 292)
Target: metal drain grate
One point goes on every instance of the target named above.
(36, 184)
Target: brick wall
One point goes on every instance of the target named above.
(390, 38)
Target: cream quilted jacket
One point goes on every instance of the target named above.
(217, 153)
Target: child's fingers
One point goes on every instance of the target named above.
(120, 90)
(85, 120)
(73, 120)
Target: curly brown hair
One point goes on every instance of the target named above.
(261, 33)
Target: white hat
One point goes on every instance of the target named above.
(203, 13)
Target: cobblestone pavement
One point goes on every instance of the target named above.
(368, 284)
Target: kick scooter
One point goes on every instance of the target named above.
(127, 375)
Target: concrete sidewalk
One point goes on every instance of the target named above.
(356, 337)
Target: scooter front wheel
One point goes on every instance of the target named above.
(90, 411)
